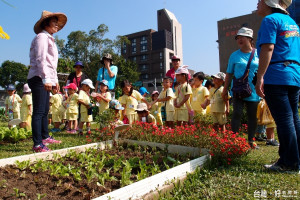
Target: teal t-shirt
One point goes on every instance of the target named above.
(282, 31)
(237, 65)
(111, 81)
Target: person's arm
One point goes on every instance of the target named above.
(226, 86)
(104, 98)
(186, 97)
(30, 111)
(264, 61)
(164, 99)
(110, 72)
(205, 103)
(41, 50)
(227, 107)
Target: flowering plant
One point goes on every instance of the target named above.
(224, 147)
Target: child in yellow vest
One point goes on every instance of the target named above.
(71, 105)
(200, 94)
(129, 100)
(219, 106)
(56, 102)
(12, 103)
(183, 93)
(26, 108)
(86, 106)
(104, 97)
(166, 98)
(156, 108)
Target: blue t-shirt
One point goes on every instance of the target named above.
(111, 81)
(282, 31)
(237, 65)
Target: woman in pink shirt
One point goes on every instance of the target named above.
(42, 75)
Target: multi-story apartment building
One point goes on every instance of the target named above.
(152, 50)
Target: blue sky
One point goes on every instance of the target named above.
(198, 18)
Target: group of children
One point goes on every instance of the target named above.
(177, 102)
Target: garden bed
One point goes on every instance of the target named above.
(95, 172)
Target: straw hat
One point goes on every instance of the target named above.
(62, 20)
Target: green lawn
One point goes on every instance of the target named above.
(25, 147)
(243, 180)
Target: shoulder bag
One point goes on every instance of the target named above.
(241, 88)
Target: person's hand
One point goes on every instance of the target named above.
(48, 86)
(58, 87)
(224, 95)
(227, 112)
(259, 87)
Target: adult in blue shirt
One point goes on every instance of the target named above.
(278, 78)
(108, 72)
(236, 67)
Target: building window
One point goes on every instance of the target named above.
(145, 76)
(133, 59)
(143, 67)
(144, 57)
(161, 75)
(161, 65)
(144, 43)
(171, 55)
(160, 55)
(133, 46)
(124, 46)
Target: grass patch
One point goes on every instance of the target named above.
(239, 180)
(25, 147)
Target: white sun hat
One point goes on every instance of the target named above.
(275, 4)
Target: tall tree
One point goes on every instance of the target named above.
(13, 73)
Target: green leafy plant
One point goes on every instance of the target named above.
(18, 193)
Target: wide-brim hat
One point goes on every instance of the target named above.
(107, 56)
(78, 63)
(141, 107)
(246, 32)
(220, 75)
(62, 20)
(275, 4)
(26, 88)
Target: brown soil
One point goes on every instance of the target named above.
(23, 184)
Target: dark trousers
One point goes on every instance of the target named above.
(238, 106)
(283, 104)
(40, 101)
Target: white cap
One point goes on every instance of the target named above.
(247, 32)
(88, 82)
(182, 70)
(275, 4)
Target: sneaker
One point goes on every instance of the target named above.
(277, 168)
(272, 143)
(69, 131)
(73, 131)
(50, 140)
(55, 130)
(40, 148)
(253, 145)
(259, 138)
